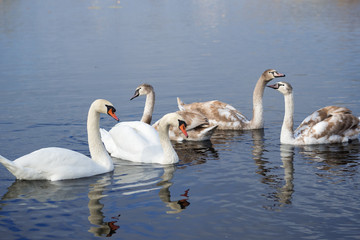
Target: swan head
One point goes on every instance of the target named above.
(178, 121)
(175, 120)
(104, 106)
(143, 89)
(270, 74)
(182, 127)
(283, 87)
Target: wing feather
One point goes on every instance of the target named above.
(329, 124)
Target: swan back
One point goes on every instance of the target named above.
(218, 113)
(139, 142)
(330, 124)
(134, 141)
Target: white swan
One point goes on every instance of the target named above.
(139, 142)
(330, 124)
(226, 116)
(60, 163)
(198, 128)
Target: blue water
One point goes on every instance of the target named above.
(56, 57)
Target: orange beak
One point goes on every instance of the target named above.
(182, 127)
(111, 112)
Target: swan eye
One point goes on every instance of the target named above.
(182, 123)
(110, 109)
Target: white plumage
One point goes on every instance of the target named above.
(139, 142)
(60, 163)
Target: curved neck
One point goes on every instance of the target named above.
(149, 108)
(97, 149)
(287, 134)
(258, 121)
(170, 156)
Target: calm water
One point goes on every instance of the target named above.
(56, 57)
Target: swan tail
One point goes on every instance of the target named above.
(202, 135)
(10, 165)
(208, 132)
(180, 104)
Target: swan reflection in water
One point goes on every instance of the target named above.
(133, 178)
(269, 170)
(195, 152)
(333, 159)
(51, 194)
(284, 187)
(258, 148)
(48, 195)
(176, 206)
(283, 194)
(96, 216)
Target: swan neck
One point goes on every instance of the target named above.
(258, 121)
(97, 149)
(170, 155)
(149, 108)
(287, 133)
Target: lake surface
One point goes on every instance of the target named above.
(56, 57)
